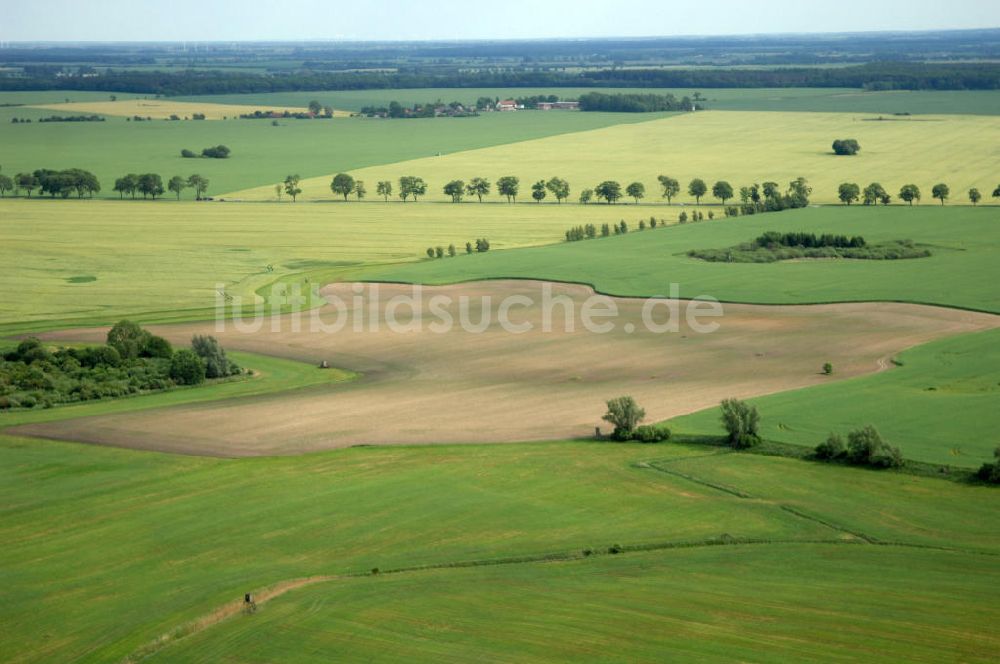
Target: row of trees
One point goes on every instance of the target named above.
(150, 185)
(481, 245)
(875, 193)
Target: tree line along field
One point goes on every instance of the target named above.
(739, 147)
(827, 100)
(304, 517)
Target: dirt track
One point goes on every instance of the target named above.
(423, 387)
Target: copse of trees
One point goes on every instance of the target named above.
(609, 190)
(634, 103)
(411, 186)
(865, 447)
(147, 184)
(846, 147)
(559, 188)
(61, 183)
(875, 193)
(213, 152)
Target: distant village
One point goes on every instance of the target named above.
(457, 109)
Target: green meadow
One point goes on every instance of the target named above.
(961, 272)
(192, 534)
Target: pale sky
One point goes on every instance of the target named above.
(245, 20)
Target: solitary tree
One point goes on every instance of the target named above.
(941, 192)
(848, 192)
(586, 195)
(771, 190)
(359, 189)
(609, 190)
(722, 190)
(478, 187)
(624, 413)
(670, 187)
(559, 188)
(384, 189)
(315, 107)
(199, 184)
(636, 190)
(742, 422)
(909, 193)
(874, 193)
(697, 188)
(177, 184)
(508, 186)
(538, 191)
(6, 184)
(292, 186)
(996, 192)
(278, 191)
(455, 189)
(974, 196)
(342, 184)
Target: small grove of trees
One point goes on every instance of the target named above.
(455, 189)
(990, 472)
(213, 152)
(410, 185)
(609, 190)
(742, 423)
(59, 183)
(874, 194)
(147, 184)
(559, 188)
(865, 447)
(846, 147)
(625, 414)
(177, 184)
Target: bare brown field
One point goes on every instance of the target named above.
(494, 386)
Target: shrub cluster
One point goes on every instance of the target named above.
(132, 362)
(846, 146)
(481, 246)
(625, 414)
(990, 472)
(742, 423)
(754, 252)
(865, 447)
(212, 152)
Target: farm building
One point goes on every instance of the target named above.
(508, 105)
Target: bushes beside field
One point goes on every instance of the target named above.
(771, 247)
(132, 362)
(865, 447)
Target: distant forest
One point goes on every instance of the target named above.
(874, 76)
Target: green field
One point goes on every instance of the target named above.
(831, 100)
(263, 153)
(192, 534)
(961, 271)
(939, 406)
